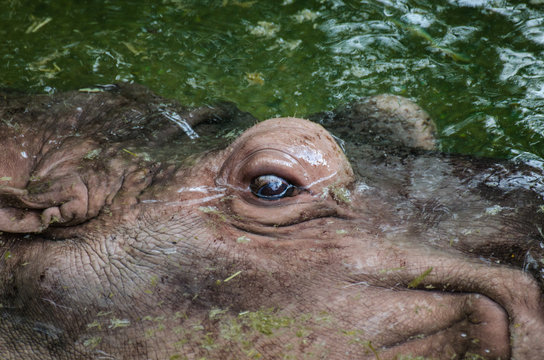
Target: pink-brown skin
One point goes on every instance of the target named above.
(129, 254)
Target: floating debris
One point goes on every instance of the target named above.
(421, 33)
(91, 90)
(255, 78)
(288, 44)
(242, 4)
(305, 15)
(264, 28)
(132, 48)
(37, 25)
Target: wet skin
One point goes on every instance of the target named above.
(122, 238)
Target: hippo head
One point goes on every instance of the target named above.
(122, 240)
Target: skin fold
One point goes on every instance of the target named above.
(126, 236)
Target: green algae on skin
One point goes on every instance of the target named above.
(390, 270)
(338, 193)
(232, 276)
(92, 342)
(246, 330)
(212, 333)
(414, 283)
(117, 323)
(214, 211)
(243, 239)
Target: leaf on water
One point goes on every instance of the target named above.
(132, 48)
(414, 283)
(255, 78)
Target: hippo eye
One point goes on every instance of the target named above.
(272, 187)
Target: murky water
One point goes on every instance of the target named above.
(476, 65)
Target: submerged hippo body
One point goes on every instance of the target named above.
(123, 238)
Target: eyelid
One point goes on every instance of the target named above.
(271, 161)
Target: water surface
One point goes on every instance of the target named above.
(477, 66)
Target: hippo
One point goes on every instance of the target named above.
(133, 227)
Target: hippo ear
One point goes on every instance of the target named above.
(383, 120)
(64, 200)
(223, 119)
(25, 213)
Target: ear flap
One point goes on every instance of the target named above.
(383, 120)
(63, 200)
(14, 217)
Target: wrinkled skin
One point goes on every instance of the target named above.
(124, 239)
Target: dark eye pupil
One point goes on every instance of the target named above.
(271, 187)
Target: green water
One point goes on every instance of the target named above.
(476, 66)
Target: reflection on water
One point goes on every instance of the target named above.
(476, 66)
